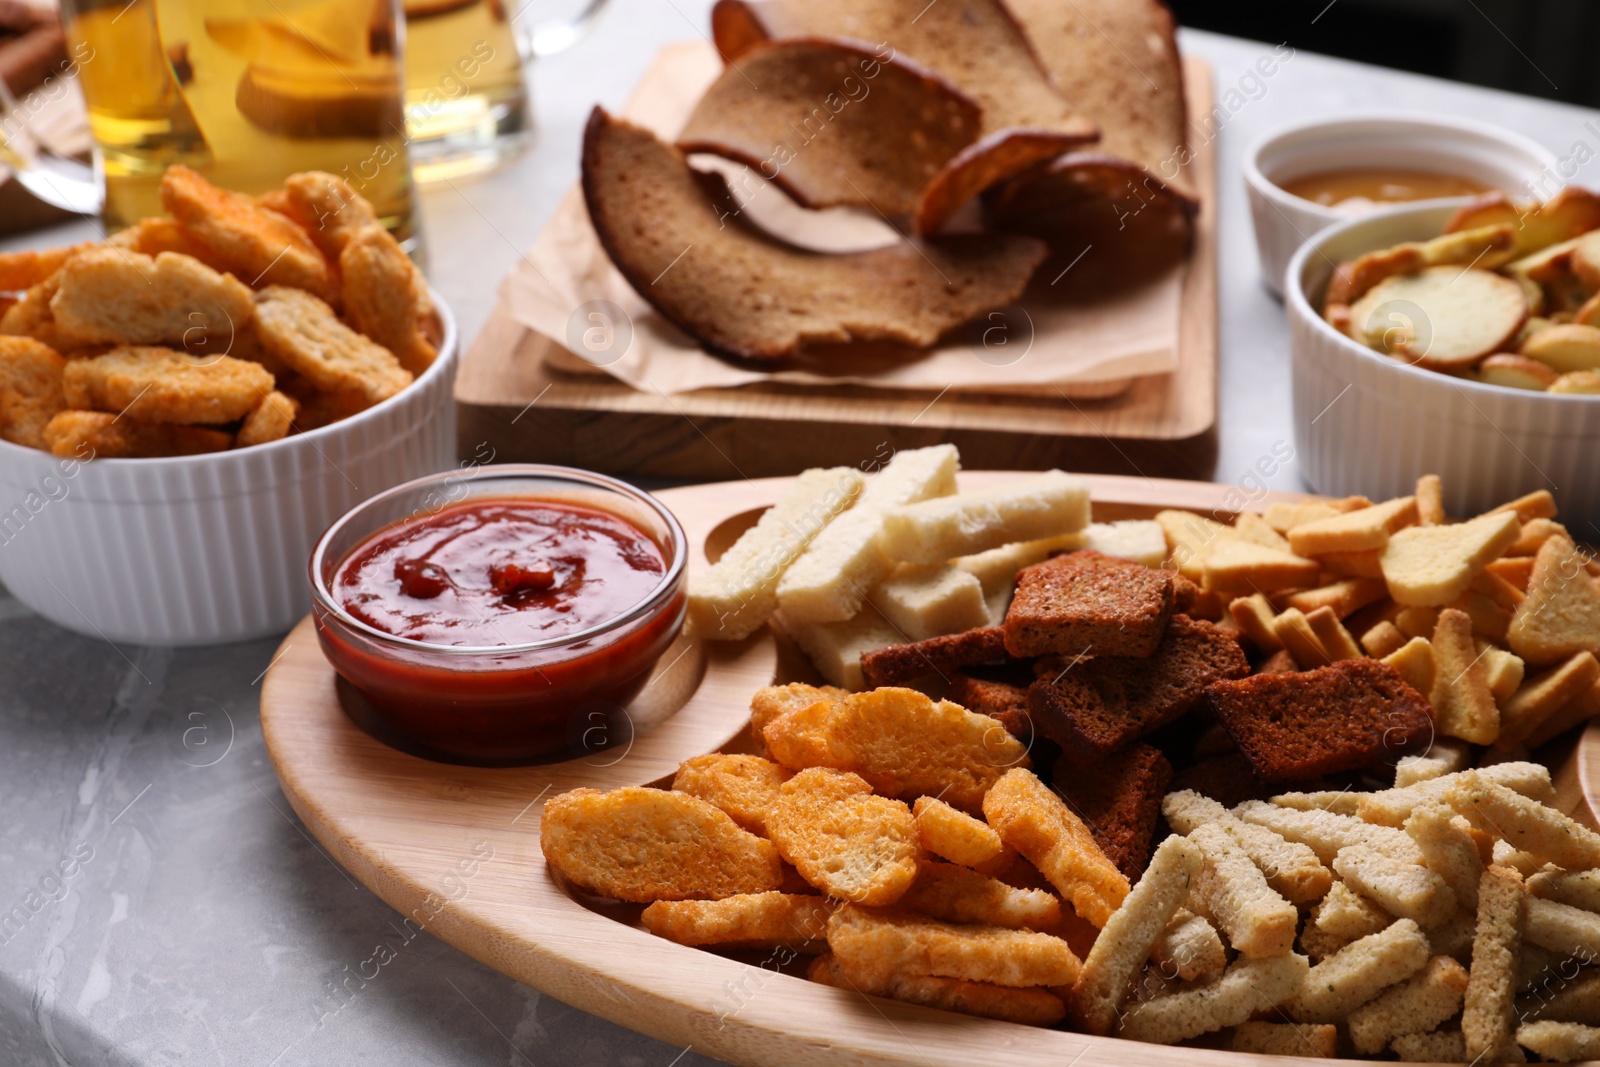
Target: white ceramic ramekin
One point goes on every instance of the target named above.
(1369, 424)
(200, 550)
(1442, 144)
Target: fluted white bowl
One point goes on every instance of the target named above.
(198, 550)
(1444, 144)
(1369, 424)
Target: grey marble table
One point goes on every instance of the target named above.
(159, 904)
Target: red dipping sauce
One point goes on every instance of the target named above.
(501, 628)
(499, 573)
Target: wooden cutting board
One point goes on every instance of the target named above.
(1162, 424)
(456, 849)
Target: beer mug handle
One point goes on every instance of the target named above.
(540, 41)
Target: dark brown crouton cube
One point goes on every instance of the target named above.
(1087, 603)
(1119, 799)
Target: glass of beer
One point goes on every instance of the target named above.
(246, 92)
(467, 105)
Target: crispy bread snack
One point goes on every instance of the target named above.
(922, 601)
(98, 434)
(328, 209)
(1465, 315)
(1247, 987)
(1581, 889)
(746, 787)
(30, 389)
(889, 940)
(1354, 531)
(1571, 932)
(936, 656)
(1287, 1039)
(955, 894)
(1542, 696)
(160, 385)
(710, 273)
(386, 298)
(798, 739)
(1119, 800)
(1556, 1042)
(748, 920)
(1561, 615)
(907, 746)
(111, 296)
(1238, 567)
(1432, 565)
(1095, 707)
(644, 845)
(1131, 933)
(1034, 821)
(270, 420)
(1256, 919)
(940, 528)
(1525, 824)
(1187, 949)
(1084, 603)
(1359, 971)
(26, 269)
(1291, 868)
(983, 164)
(1028, 1006)
(955, 835)
(1327, 832)
(734, 598)
(1417, 1005)
(1488, 1014)
(891, 124)
(1407, 890)
(774, 701)
(842, 839)
(260, 247)
(304, 332)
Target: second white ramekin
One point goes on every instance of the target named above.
(1442, 144)
(200, 550)
(1369, 424)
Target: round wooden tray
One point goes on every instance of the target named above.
(456, 849)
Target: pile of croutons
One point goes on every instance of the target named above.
(235, 322)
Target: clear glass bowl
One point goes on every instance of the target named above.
(503, 704)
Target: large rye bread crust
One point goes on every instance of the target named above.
(741, 292)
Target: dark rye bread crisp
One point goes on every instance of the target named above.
(685, 247)
(1119, 799)
(935, 657)
(999, 700)
(1096, 706)
(896, 126)
(1347, 716)
(1280, 662)
(1226, 778)
(1085, 603)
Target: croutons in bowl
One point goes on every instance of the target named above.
(1372, 415)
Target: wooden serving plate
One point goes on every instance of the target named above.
(456, 849)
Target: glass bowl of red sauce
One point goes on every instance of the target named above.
(494, 615)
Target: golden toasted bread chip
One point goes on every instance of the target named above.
(1444, 756)
(160, 385)
(1344, 597)
(154, 236)
(1255, 617)
(1240, 567)
(1291, 868)
(113, 296)
(890, 123)
(890, 941)
(798, 739)
(1569, 931)
(1037, 823)
(709, 272)
(748, 920)
(1419, 1004)
(842, 839)
(775, 700)
(1564, 348)
(271, 420)
(956, 894)
(1449, 850)
(1248, 987)
(1294, 632)
(1326, 832)
(1557, 998)
(260, 247)
(1430, 501)
(1523, 823)
(955, 835)
(1580, 710)
(1571, 212)
(1256, 919)
(644, 845)
(1030, 1007)
(1407, 890)
(1428, 566)
(1358, 972)
(386, 298)
(1486, 246)
(1392, 807)
(1488, 1013)
(746, 787)
(1354, 531)
(1444, 318)
(1348, 915)
(976, 45)
(1578, 382)
(1543, 695)
(998, 156)
(24, 270)
(1383, 641)
(327, 208)
(1533, 535)
(1187, 949)
(1558, 1042)
(1516, 372)
(908, 746)
(1463, 705)
(100, 435)
(30, 390)
(304, 332)
(1130, 935)
(1561, 616)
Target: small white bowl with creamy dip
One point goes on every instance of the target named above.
(1345, 167)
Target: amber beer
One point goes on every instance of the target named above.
(247, 92)
(466, 105)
